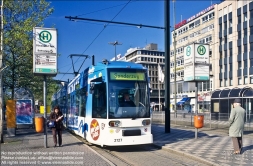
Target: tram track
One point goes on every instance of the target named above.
(138, 155)
(106, 153)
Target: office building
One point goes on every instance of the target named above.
(235, 52)
(150, 57)
(199, 28)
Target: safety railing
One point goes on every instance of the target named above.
(211, 120)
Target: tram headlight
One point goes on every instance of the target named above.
(115, 123)
(146, 122)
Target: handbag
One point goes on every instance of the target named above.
(51, 124)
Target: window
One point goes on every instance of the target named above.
(245, 17)
(251, 29)
(226, 53)
(239, 34)
(230, 67)
(251, 14)
(225, 25)
(220, 27)
(171, 64)
(240, 65)
(245, 33)
(251, 80)
(245, 63)
(239, 50)
(251, 63)
(191, 26)
(251, 46)
(239, 19)
(231, 82)
(221, 83)
(245, 48)
(239, 81)
(225, 39)
(204, 30)
(197, 23)
(99, 101)
(205, 18)
(225, 82)
(225, 68)
(220, 41)
(231, 52)
(245, 80)
(230, 23)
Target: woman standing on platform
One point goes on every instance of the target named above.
(57, 117)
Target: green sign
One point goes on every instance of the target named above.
(201, 50)
(188, 51)
(127, 76)
(45, 36)
(43, 70)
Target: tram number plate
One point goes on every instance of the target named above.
(118, 140)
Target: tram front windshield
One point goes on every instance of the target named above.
(128, 97)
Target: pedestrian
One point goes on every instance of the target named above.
(57, 117)
(236, 121)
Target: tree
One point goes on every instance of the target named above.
(19, 19)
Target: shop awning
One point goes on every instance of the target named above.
(185, 99)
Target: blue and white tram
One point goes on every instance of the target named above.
(96, 109)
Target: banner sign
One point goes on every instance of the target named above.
(44, 51)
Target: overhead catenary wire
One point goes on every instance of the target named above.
(100, 33)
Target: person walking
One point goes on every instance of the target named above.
(57, 117)
(236, 121)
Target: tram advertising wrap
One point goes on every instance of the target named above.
(108, 104)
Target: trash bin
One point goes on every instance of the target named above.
(39, 124)
(198, 121)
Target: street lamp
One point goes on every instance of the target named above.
(115, 44)
(175, 63)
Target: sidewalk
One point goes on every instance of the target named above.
(210, 147)
(27, 148)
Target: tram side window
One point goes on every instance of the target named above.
(99, 101)
(68, 104)
(73, 104)
(82, 93)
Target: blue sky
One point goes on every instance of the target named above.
(92, 38)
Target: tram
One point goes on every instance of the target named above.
(108, 104)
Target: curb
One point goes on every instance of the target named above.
(187, 155)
